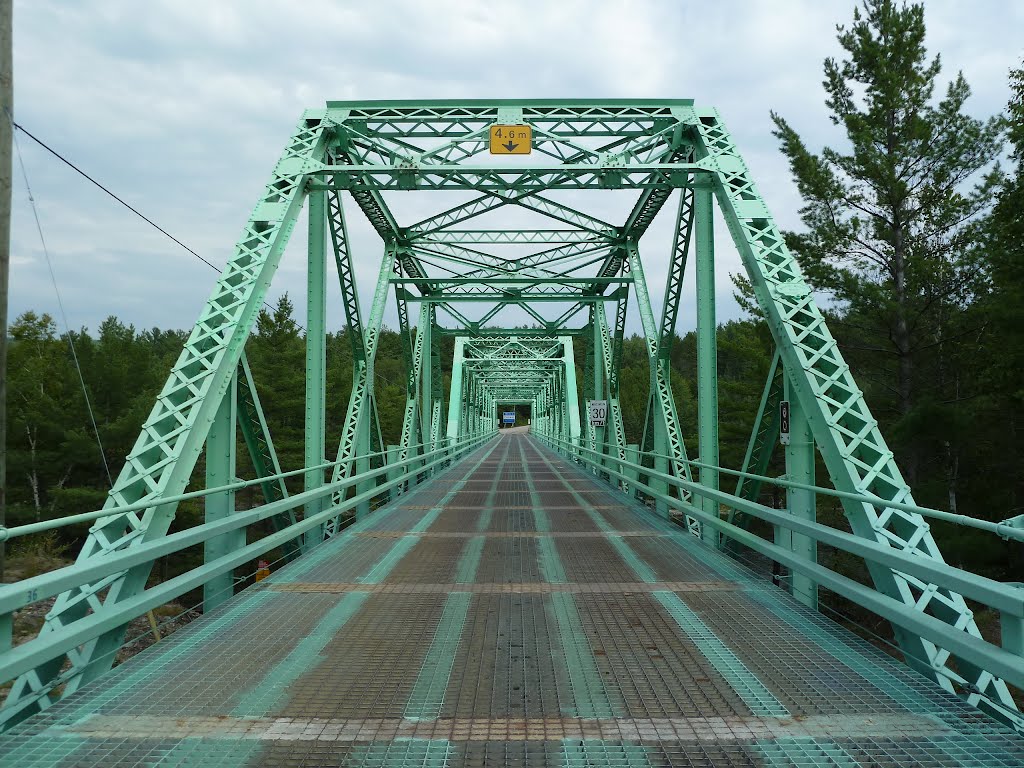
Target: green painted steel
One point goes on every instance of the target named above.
(28, 656)
(404, 753)
(522, 303)
(469, 562)
(315, 421)
(788, 752)
(588, 753)
(428, 692)
(663, 651)
(746, 684)
(1002, 663)
(172, 437)
(269, 692)
(256, 435)
(801, 503)
(707, 348)
(220, 469)
(589, 694)
(764, 435)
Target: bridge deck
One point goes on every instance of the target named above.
(512, 612)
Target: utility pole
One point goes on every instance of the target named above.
(6, 137)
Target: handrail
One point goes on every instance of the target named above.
(1008, 599)
(1001, 529)
(84, 517)
(19, 594)
(986, 590)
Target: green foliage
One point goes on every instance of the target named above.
(1000, 357)
(38, 554)
(893, 222)
(890, 223)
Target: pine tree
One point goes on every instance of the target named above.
(1004, 249)
(891, 220)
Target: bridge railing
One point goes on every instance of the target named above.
(1004, 660)
(15, 661)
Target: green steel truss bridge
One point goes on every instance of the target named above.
(483, 597)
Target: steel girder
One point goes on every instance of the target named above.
(568, 265)
(668, 438)
(252, 425)
(361, 416)
(847, 435)
(607, 356)
(538, 370)
(763, 437)
(172, 437)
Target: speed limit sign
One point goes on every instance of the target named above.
(598, 412)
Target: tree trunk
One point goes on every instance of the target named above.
(904, 354)
(953, 472)
(33, 474)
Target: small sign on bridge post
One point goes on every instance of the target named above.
(598, 412)
(784, 422)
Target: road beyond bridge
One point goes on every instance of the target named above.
(513, 612)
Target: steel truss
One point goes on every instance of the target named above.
(458, 275)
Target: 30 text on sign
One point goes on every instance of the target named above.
(511, 139)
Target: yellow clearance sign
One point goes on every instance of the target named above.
(511, 139)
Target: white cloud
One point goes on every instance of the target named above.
(183, 106)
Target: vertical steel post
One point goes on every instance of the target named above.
(633, 457)
(597, 340)
(472, 407)
(455, 395)
(220, 470)
(362, 453)
(393, 473)
(436, 383)
(661, 449)
(589, 373)
(316, 355)
(707, 352)
(801, 503)
(426, 393)
(1012, 633)
(572, 399)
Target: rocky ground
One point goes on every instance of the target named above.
(139, 636)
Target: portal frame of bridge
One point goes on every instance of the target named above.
(444, 263)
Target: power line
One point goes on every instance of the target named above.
(63, 314)
(126, 204)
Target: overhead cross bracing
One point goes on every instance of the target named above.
(533, 263)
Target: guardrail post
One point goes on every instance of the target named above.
(363, 463)
(707, 354)
(1012, 633)
(394, 472)
(315, 431)
(801, 503)
(220, 470)
(6, 632)
(660, 465)
(633, 457)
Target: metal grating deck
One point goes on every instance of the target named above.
(512, 612)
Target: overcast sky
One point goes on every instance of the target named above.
(183, 107)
